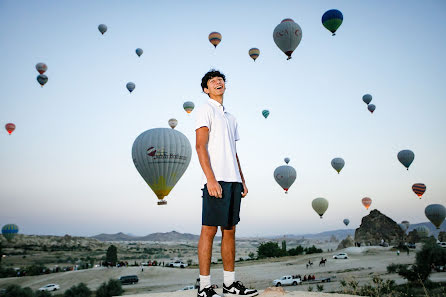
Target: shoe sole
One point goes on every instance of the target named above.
(232, 295)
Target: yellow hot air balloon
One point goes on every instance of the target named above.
(254, 53)
(215, 38)
(320, 205)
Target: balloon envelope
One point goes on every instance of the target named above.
(287, 36)
(42, 79)
(285, 176)
(254, 53)
(436, 214)
(188, 106)
(366, 201)
(10, 127)
(161, 156)
(130, 86)
(337, 164)
(406, 157)
(367, 98)
(346, 222)
(422, 231)
(406, 223)
(371, 107)
(173, 123)
(215, 38)
(265, 113)
(9, 231)
(320, 205)
(102, 28)
(287, 160)
(332, 20)
(419, 189)
(139, 51)
(41, 68)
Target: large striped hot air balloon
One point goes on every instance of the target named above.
(320, 206)
(366, 201)
(161, 156)
(332, 20)
(10, 127)
(265, 113)
(419, 189)
(287, 36)
(406, 157)
(254, 53)
(337, 164)
(215, 38)
(188, 106)
(285, 176)
(9, 231)
(436, 213)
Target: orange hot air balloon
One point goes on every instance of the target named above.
(215, 38)
(419, 189)
(10, 127)
(366, 201)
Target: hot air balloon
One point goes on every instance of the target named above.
(436, 214)
(254, 53)
(42, 79)
(41, 68)
(366, 201)
(419, 189)
(371, 107)
(346, 222)
(337, 164)
(367, 98)
(287, 160)
(102, 28)
(9, 231)
(287, 36)
(215, 38)
(332, 19)
(161, 156)
(188, 106)
(403, 227)
(10, 127)
(130, 86)
(265, 113)
(422, 231)
(173, 123)
(320, 205)
(285, 176)
(139, 51)
(406, 157)
(406, 223)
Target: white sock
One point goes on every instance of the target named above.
(205, 280)
(228, 277)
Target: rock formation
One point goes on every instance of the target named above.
(347, 242)
(377, 227)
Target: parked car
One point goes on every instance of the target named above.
(186, 288)
(50, 287)
(129, 279)
(340, 256)
(440, 268)
(442, 244)
(411, 245)
(178, 263)
(287, 280)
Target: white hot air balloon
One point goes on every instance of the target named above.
(285, 176)
(320, 206)
(173, 123)
(287, 36)
(337, 164)
(161, 156)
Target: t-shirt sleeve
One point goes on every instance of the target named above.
(203, 117)
(236, 135)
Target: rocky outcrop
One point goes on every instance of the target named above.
(347, 242)
(376, 228)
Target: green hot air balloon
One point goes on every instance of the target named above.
(161, 156)
(265, 113)
(9, 231)
(337, 164)
(406, 157)
(285, 176)
(332, 20)
(436, 214)
(188, 106)
(320, 205)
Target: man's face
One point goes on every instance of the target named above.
(216, 87)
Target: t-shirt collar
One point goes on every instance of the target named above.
(216, 103)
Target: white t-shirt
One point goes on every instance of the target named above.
(223, 133)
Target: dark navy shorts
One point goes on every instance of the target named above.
(223, 211)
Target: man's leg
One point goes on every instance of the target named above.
(205, 248)
(228, 248)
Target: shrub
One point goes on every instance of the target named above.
(298, 250)
(320, 288)
(395, 268)
(312, 250)
(310, 289)
(270, 249)
(112, 288)
(17, 291)
(81, 290)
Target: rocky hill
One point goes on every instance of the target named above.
(53, 242)
(376, 227)
(172, 236)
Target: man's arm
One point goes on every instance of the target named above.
(202, 136)
(245, 189)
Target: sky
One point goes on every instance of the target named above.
(67, 169)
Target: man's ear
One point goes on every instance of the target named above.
(206, 90)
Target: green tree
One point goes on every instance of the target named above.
(112, 255)
(112, 288)
(17, 291)
(269, 249)
(81, 290)
(312, 250)
(284, 246)
(298, 250)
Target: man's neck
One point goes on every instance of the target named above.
(219, 99)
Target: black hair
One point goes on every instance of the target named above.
(210, 75)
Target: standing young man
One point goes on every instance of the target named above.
(224, 186)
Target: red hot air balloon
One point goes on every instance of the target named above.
(366, 201)
(10, 127)
(419, 189)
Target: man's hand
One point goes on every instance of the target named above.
(245, 190)
(214, 189)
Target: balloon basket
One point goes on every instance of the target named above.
(162, 202)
